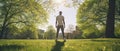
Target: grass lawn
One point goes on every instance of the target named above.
(69, 45)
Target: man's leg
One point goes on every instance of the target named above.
(62, 29)
(58, 28)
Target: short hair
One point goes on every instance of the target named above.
(60, 12)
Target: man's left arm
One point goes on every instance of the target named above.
(64, 21)
(56, 23)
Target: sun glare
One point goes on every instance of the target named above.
(58, 1)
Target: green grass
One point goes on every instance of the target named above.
(69, 45)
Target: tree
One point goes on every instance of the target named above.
(41, 34)
(91, 17)
(12, 31)
(50, 32)
(28, 32)
(110, 20)
(20, 13)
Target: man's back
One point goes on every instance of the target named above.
(60, 19)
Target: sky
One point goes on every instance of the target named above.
(69, 14)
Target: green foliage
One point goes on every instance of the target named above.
(117, 33)
(21, 13)
(91, 17)
(28, 32)
(50, 32)
(12, 31)
(28, 11)
(41, 34)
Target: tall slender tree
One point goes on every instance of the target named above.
(110, 20)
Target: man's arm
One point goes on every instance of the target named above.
(56, 22)
(64, 22)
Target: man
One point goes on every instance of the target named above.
(60, 24)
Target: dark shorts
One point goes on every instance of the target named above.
(60, 27)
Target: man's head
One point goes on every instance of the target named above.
(60, 13)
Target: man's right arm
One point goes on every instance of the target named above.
(56, 22)
(64, 21)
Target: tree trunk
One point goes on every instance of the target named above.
(2, 31)
(110, 20)
(4, 26)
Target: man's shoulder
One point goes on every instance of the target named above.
(60, 16)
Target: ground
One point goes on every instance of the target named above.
(70, 45)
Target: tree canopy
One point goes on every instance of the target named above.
(21, 13)
(91, 17)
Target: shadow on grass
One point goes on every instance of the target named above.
(11, 47)
(58, 46)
